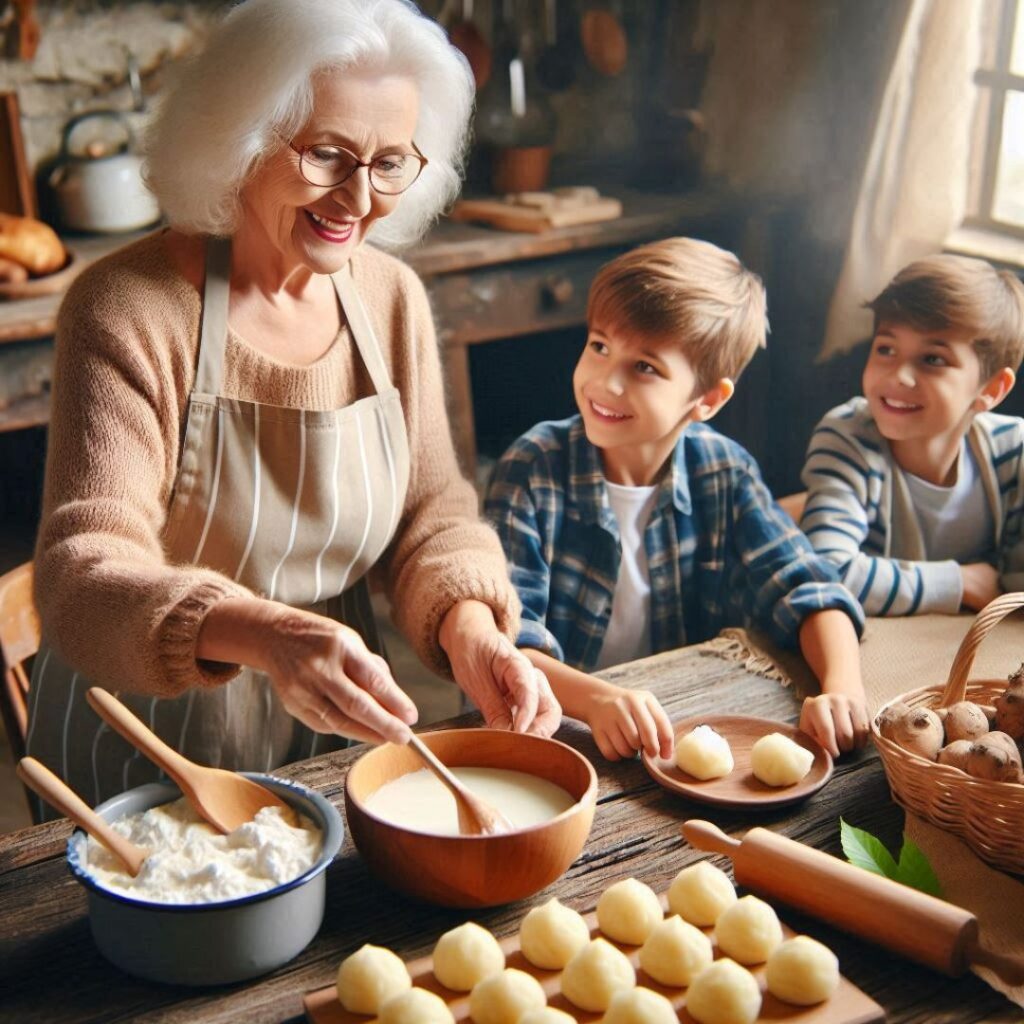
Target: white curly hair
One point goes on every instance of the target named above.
(252, 84)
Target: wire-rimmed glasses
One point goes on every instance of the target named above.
(329, 166)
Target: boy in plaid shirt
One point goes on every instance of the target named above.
(634, 528)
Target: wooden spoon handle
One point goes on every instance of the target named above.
(440, 769)
(138, 734)
(60, 795)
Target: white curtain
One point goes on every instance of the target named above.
(914, 186)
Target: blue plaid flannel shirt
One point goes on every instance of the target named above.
(720, 551)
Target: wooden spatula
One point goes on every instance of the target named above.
(59, 795)
(476, 817)
(912, 923)
(225, 799)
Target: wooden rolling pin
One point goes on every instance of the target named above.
(912, 923)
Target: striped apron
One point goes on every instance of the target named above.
(295, 504)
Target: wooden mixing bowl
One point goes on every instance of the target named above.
(473, 871)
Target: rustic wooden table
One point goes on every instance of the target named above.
(50, 972)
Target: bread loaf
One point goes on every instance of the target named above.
(31, 243)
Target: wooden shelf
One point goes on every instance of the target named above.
(33, 411)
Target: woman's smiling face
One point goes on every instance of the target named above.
(367, 113)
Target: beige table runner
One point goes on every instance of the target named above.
(900, 654)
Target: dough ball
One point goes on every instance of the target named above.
(640, 1006)
(551, 933)
(779, 761)
(700, 893)
(415, 1006)
(503, 998)
(724, 993)
(595, 974)
(748, 931)
(675, 952)
(802, 971)
(628, 910)
(704, 753)
(466, 955)
(369, 977)
(546, 1015)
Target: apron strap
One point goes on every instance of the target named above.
(214, 329)
(362, 330)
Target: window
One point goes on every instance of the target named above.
(996, 200)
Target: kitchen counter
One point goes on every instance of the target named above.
(50, 971)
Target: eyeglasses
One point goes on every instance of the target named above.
(330, 166)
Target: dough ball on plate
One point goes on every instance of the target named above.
(415, 1006)
(748, 931)
(369, 977)
(595, 974)
(628, 910)
(802, 971)
(640, 1006)
(551, 933)
(503, 998)
(724, 993)
(779, 761)
(704, 753)
(700, 892)
(465, 955)
(546, 1015)
(675, 952)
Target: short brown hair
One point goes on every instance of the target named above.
(944, 292)
(688, 291)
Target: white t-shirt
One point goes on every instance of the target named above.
(956, 522)
(629, 630)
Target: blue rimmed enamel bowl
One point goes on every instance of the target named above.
(209, 943)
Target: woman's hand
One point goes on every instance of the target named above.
(323, 672)
(497, 678)
(625, 721)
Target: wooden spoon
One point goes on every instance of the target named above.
(476, 817)
(58, 794)
(225, 799)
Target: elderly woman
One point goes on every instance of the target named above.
(248, 418)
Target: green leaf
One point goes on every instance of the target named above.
(864, 850)
(914, 869)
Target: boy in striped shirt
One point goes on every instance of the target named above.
(916, 490)
(634, 527)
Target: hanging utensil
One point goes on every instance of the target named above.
(604, 41)
(465, 36)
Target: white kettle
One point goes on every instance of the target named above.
(102, 192)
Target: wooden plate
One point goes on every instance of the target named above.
(47, 284)
(739, 788)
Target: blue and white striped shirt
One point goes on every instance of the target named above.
(860, 513)
(720, 551)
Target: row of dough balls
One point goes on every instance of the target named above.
(598, 977)
(774, 759)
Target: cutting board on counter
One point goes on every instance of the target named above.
(540, 211)
(847, 1005)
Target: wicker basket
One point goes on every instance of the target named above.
(988, 816)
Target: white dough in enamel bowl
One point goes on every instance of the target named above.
(704, 754)
(191, 862)
(777, 761)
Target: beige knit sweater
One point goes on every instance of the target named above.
(127, 340)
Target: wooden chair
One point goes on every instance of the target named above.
(19, 642)
(793, 504)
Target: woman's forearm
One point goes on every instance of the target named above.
(231, 631)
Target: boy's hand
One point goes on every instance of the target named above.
(981, 585)
(625, 721)
(837, 721)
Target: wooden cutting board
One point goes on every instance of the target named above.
(510, 216)
(847, 1005)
